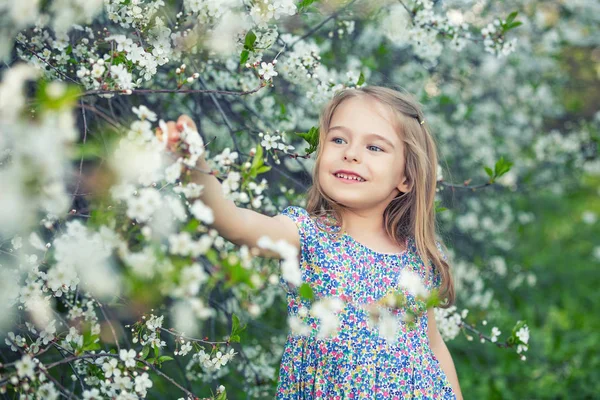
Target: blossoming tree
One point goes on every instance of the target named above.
(110, 275)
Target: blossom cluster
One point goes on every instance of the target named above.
(156, 229)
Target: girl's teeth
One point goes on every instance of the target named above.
(350, 177)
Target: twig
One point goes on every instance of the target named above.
(319, 25)
(85, 130)
(465, 185)
(109, 324)
(101, 114)
(175, 333)
(147, 364)
(46, 62)
(184, 91)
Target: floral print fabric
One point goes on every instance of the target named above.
(356, 363)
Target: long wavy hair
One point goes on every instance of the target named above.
(410, 213)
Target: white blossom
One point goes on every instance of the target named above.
(128, 357)
(144, 113)
(202, 212)
(413, 283)
(25, 367)
(523, 334)
(267, 71)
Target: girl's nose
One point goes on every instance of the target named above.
(351, 154)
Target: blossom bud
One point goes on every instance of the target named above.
(252, 151)
(128, 91)
(190, 79)
(248, 65)
(195, 75)
(182, 67)
(178, 71)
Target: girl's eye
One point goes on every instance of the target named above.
(375, 147)
(337, 138)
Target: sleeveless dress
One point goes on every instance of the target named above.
(355, 363)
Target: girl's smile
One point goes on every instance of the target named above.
(349, 176)
(362, 146)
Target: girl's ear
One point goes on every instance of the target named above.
(405, 186)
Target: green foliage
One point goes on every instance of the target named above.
(56, 96)
(304, 4)
(258, 165)
(90, 342)
(89, 150)
(236, 329)
(306, 291)
(502, 167)
(248, 47)
(361, 79)
(312, 138)
(510, 22)
(222, 395)
(563, 360)
(439, 207)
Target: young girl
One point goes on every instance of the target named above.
(370, 214)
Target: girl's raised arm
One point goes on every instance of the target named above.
(238, 225)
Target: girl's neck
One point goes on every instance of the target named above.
(363, 223)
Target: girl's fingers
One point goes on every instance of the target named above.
(173, 133)
(185, 119)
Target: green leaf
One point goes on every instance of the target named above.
(91, 347)
(263, 169)
(257, 161)
(511, 17)
(244, 57)
(510, 22)
(165, 358)
(438, 207)
(145, 352)
(489, 171)
(304, 4)
(50, 98)
(361, 79)
(433, 299)
(88, 151)
(222, 395)
(312, 138)
(236, 328)
(513, 25)
(192, 226)
(502, 166)
(249, 40)
(306, 291)
(155, 351)
(235, 323)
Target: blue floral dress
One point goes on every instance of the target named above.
(355, 363)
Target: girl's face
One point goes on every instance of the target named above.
(361, 140)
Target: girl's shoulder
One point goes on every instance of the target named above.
(302, 218)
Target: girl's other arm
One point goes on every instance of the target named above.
(442, 354)
(238, 225)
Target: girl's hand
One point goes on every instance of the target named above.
(174, 131)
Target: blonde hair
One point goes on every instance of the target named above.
(410, 213)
